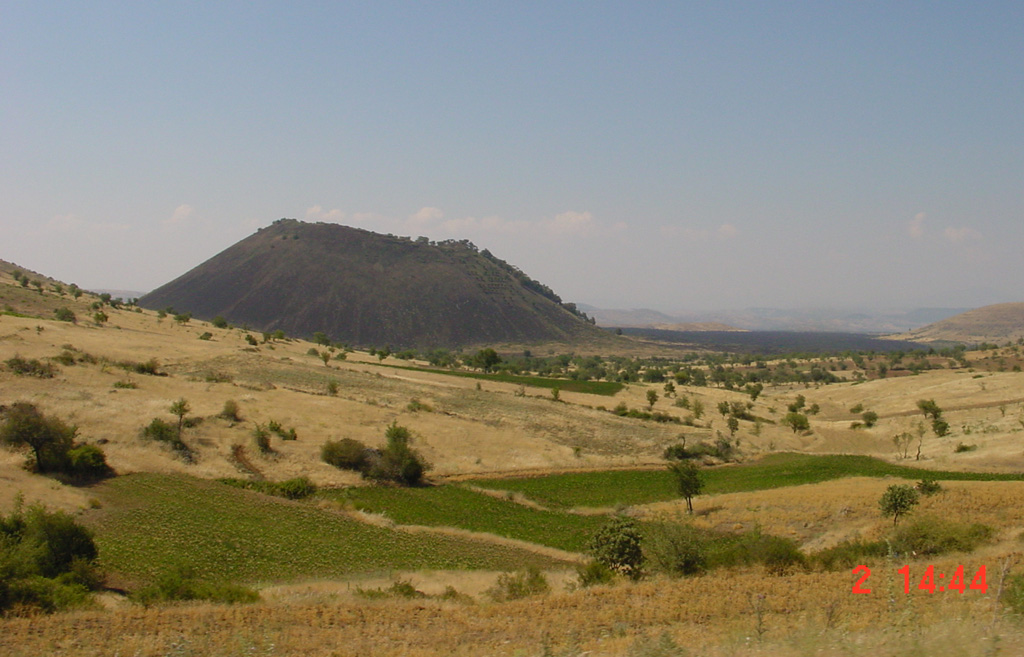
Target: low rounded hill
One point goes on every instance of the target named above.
(999, 323)
(363, 288)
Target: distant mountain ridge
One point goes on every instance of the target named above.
(368, 289)
(777, 319)
(997, 324)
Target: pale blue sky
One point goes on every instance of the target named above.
(677, 156)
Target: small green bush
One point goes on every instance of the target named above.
(125, 385)
(518, 585)
(64, 314)
(961, 447)
(206, 336)
(931, 536)
(219, 322)
(261, 438)
(181, 583)
(88, 462)
(347, 454)
(594, 573)
(928, 487)
(675, 548)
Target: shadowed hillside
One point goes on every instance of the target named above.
(368, 289)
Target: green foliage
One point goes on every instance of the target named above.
(961, 447)
(151, 367)
(126, 385)
(796, 421)
(485, 359)
(1013, 593)
(181, 583)
(663, 646)
(518, 585)
(618, 545)
(870, 418)
(332, 387)
(298, 488)
(30, 367)
(87, 462)
(346, 453)
(897, 500)
(206, 336)
(931, 536)
(48, 437)
(183, 318)
(219, 322)
(64, 314)
(100, 317)
(251, 339)
(675, 548)
(928, 487)
(857, 408)
(940, 427)
(47, 561)
(161, 430)
(689, 481)
(594, 573)
(778, 555)
(397, 462)
(929, 408)
(261, 438)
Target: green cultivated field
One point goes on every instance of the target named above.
(150, 522)
(454, 506)
(606, 388)
(631, 487)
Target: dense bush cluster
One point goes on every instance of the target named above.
(47, 562)
(397, 462)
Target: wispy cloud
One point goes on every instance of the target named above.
(916, 227)
(728, 231)
(959, 235)
(181, 216)
(317, 213)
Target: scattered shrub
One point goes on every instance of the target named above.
(298, 488)
(931, 536)
(593, 573)
(347, 454)
(30, 367)
(126, 385)
(231, 411)
(181, 583)
(219, 322)
(415, 406)
(206, 336)
(675, 548)
(87, 462)
(928, 486)
(261, 438)
(961, 447)
(522, 584)
(64, 314)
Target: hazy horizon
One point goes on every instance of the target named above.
(683, 158)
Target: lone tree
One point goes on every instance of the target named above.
(689, 481)
(180, 408)
(898, 500)
(652, 398)
(929, 408)
(48, 437)
(796, 421)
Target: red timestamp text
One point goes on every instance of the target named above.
(930, 581)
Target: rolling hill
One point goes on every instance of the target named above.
(364, 288)
(999, 323)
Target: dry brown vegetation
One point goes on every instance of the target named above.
(493, 429)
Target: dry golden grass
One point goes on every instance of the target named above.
(737, 613)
